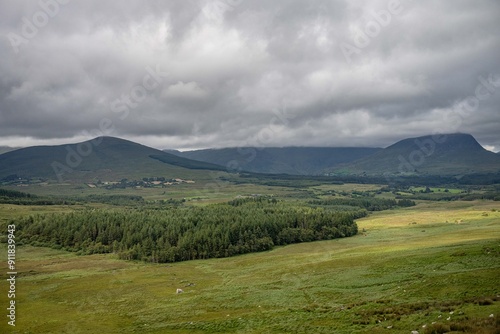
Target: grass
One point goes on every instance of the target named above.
(437, 189)
(348, 187)
(207, 191)
(409, 267)
(11, 211)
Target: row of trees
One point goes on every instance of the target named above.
(14, 194)
(178, 234)
(368, 203)
(444, 196)
(21, 198)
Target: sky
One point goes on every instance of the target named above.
(228, 73)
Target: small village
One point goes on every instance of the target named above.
(146, 182)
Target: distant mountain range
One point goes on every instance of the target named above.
(451, 154)
(108, 158)
(280, 160)
(105, 158)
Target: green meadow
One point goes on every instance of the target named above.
(433, 268)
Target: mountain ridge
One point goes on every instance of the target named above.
(101, 157)
(295, 160)
(110, 158)
(444, 154)
(5, 149)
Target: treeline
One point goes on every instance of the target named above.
(297, 181)
(22, 198)
(5, 193)
(179, 233)
(370, 204)
(113, 199)
(255, 199)
(281, 180)
(484, 179)
(488, 195)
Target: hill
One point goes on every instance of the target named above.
(452, 154)
(105, 158)
(279, 160)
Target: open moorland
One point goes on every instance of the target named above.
(137, 240)
(431, 268)
(249, 167)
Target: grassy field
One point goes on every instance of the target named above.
(406, 269)
(207, 192)
(436, 189)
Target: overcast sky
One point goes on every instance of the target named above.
(197, 74)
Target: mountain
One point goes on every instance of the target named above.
(113, 159)
(174, 152)
(451, 154)
(5, 149)
(105, 158)
(279, 160)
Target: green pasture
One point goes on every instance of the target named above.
(439, 190)
(406, 269)
(210, 191)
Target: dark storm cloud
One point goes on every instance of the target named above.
(238, 72)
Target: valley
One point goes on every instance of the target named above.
(138, 240)
(249, 167)
(409, 268)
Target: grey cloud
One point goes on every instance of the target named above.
(227, 67)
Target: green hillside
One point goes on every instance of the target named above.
(114, 159)
(105, 158)
(410, 268)
(452, 154)
(280, 160)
